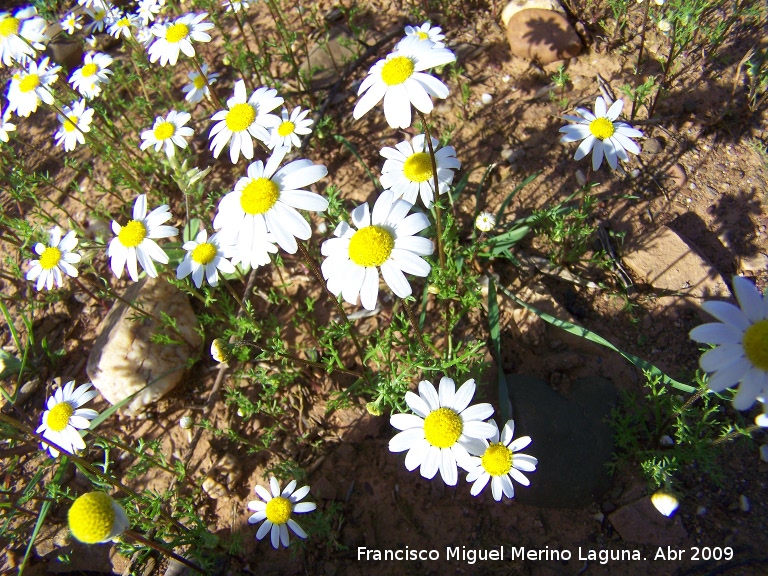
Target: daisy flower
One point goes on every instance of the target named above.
(94, 72)
(123, 25)
(169, 132)
(71, 22)
(288, 131)
(148, 9)
(75, 121)
(443, 429)
(401, 81)
(136, 240)
(63, 417)
(6, 126)
(30, 86)
(741, 339)
(205, 256)
(384, 239)
(55, 258)
(266, 200)
(408, 169)
(172, 38)
(424, 33)
(601, 133)
(235, 5)
(276, 509)
(101, 15)
(95, 517)
(244, 120)
(21, 35)
(197, 87)
(485, 222)
(500, 463)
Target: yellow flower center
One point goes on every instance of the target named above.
(497, 459)
(371, 246)
(29, 83)
(199, 83)
(70, 123)
(176, 32)
(132, 234)
(204, 253)
(91, 517)
(397, 70)
(123, 22)
(58, 416)
(89, 70)
(286, 128)
(423, 36)
(165, 130)
(240, 116)
(442, 427)
(755, 344)
(279, 510)
(259, 196)
(418, 167)
(9, 26)
(50, 257)
(98, 15)
(601, 128)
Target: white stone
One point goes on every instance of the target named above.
(125, 361)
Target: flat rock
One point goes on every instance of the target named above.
(125, 361)
(516, 6)
(639, 522)
(327, 59)
(665, 261)
(570, 438)
(542, 35)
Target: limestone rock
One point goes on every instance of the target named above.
(516, 6)
(570, 438)
(640, 523)
(665, 261)
(328, 58)
(124, 360)
(542, 35)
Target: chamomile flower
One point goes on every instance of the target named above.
(95, 517)
(500, 463)
(71, 22)
(197, 88)
(443, 430)
(30, 86)
(205, 256)
(425, 33)
(276, 509)
(76, 120)
(135, 242)
(64, 416)
(101, 15)
(244, 120)
(55, 258)
(123, 25)
(288, 131)
(408, 169)
(235, 5)
(266, 200)
(21, 35)
(383, 239)
(741, 337)
(485, 222)
(94, 72)
(602, 134)
(172, 38)
(6, 126)
(169, 132)
(400, 79)
(148, 9)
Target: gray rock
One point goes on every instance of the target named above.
(125, 361)
(641, 523)
(328, 58)
(651, 146)
(570, 438)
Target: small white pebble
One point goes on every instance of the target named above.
(599, 517)
(744, 503)
(666, 441)
(486, 98)
(581, 178)
(764, 452)
(701, 510)
(635, 173)
(506, 78)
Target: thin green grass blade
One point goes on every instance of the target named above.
(495, 331)
(351, 148)
(511, 195)
(597, 339)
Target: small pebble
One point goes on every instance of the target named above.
(701, 510)
(743, 503)
(764, 452)
(486, 98)
(581, 178)
(666, 441)
(635, 173)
